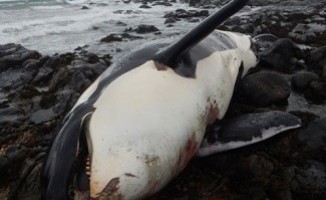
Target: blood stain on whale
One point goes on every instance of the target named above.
(110, 190)
(213, 113)
(186, 154)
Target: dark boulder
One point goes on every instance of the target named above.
(281, 56)
(264, 89)
(12, 55)
(302, 80)
(145, 6)
(142, 29)
(170, 20)
(317, 92)
(317, 59)
(112, 38)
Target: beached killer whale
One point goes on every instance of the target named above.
(140, 123)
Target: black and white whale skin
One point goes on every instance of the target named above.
(140, 123)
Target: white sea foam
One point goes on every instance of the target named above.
(53, 7)
(61, 25)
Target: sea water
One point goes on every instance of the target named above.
(59, 26)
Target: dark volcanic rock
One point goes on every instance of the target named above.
(264, 88)
(130, 37)
(302, 79)
(145, 6)
(112, 38)
(120, 37)
(85, 8)
(35, 94)
(317, 60)
(314, 136)
(170, 20)
(186, 14)
(301, 21)
(281, 56)
(159, 3)
(317, 92)
(142, 29)
(12, 55)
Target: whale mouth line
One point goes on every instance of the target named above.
(81, 174)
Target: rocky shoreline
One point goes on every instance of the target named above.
(38, 90)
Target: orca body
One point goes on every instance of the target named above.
(140, 123)
(148, 123)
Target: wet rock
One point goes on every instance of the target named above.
(85, 8)
(42, 115)
(170, 20)
(13, 80)
(43, 75)
(12, 55)
(35, 95)
(119, 23)
(312, 178)
(95, 27)
(16, 154)
(304, 33)
(112, 38)
(317, 60)
(161, 3)
(302, 79)
(29, 179)
(31, 64)
(186, 14)
(317, 92)
(10, 115)
(298, 20)
(313, 137)
(63, 100)
(142, 29)
(264, 88)
(259, 166)
(79, 82)
(92, 58)
(198, 3)
(59, 79)
(145, 6)
(194, 20)
(281, 56)
(131, 37)
(4, 163)
(107, 59)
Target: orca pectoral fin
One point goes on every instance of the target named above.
(59, 163)
(247, 129)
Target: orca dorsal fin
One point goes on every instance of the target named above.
(172, 55)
